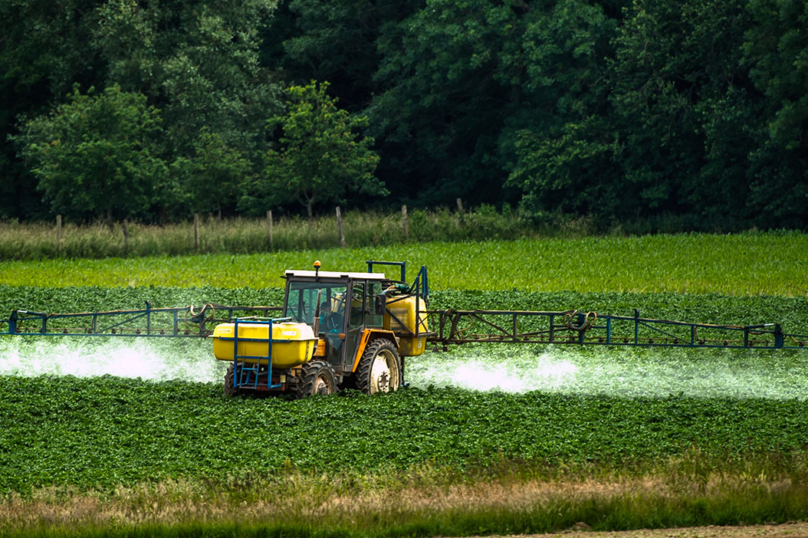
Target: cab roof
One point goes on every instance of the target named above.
(336, 274)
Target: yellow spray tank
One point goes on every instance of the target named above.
(292, 343)
(402, 322)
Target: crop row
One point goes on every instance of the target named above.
(106, 431)
(747, 264)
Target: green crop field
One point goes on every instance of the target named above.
(128, 423)
(107, 431)
(749, 264)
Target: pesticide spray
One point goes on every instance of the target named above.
(504, 368)
(154, 359)
(616, 372)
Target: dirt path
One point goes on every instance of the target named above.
(787, 530)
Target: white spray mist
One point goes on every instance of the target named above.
(152, 359)
(617, 371)
(506, 368)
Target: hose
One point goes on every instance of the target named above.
(589, 320)
(199, 316)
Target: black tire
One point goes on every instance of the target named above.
(379, 368)
(229, 389)
(316, 377)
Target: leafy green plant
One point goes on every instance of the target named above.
(105, 431)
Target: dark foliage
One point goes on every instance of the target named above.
(623, 111)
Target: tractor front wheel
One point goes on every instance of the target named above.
(316, 377)
(379, 368)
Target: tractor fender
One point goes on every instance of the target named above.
(367, 336)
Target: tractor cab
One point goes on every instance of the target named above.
(340, 308)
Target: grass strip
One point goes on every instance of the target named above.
(739, 265)
(691, 489)
(34, 241)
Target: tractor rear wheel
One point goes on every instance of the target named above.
(316, 377)
(229, 389)
(379, 368)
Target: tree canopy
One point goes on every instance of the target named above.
(614, 109)
(93, 155)
(318, 158)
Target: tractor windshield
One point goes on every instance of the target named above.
(303, 300)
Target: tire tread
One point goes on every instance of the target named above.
(366, 363)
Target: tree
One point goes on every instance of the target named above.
(195, 59)
(335, 41)
(318, 158)
(445, 99)
(677, 85)
(44, 49)
(668, 132)
(92, 155)
(565, 173)
(461, 79)
(209, 180)
(776, 50)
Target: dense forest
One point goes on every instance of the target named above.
(613, 109)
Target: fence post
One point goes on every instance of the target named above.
(339, 228)
(404, 226)
(460, 205)
(269, 231)
(196, 231)
(59, 234)
(125, 237)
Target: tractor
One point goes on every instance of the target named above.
(337, 330)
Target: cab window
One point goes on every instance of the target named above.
(357, 304)
(303, 301)
(374, 305)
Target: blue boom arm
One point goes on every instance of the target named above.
(186, 321)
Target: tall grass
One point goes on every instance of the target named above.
(509, 498)
(32, 241)
(246, 236)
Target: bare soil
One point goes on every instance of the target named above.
(786, 530)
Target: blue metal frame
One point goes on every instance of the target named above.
(159, 322)
(421, 281)
(601, 330)
(402, 265)
(421, 284)
(247, 375)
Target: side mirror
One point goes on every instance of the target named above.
(379, 305)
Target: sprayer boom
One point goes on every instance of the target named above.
(185, 321)
(574, 327)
